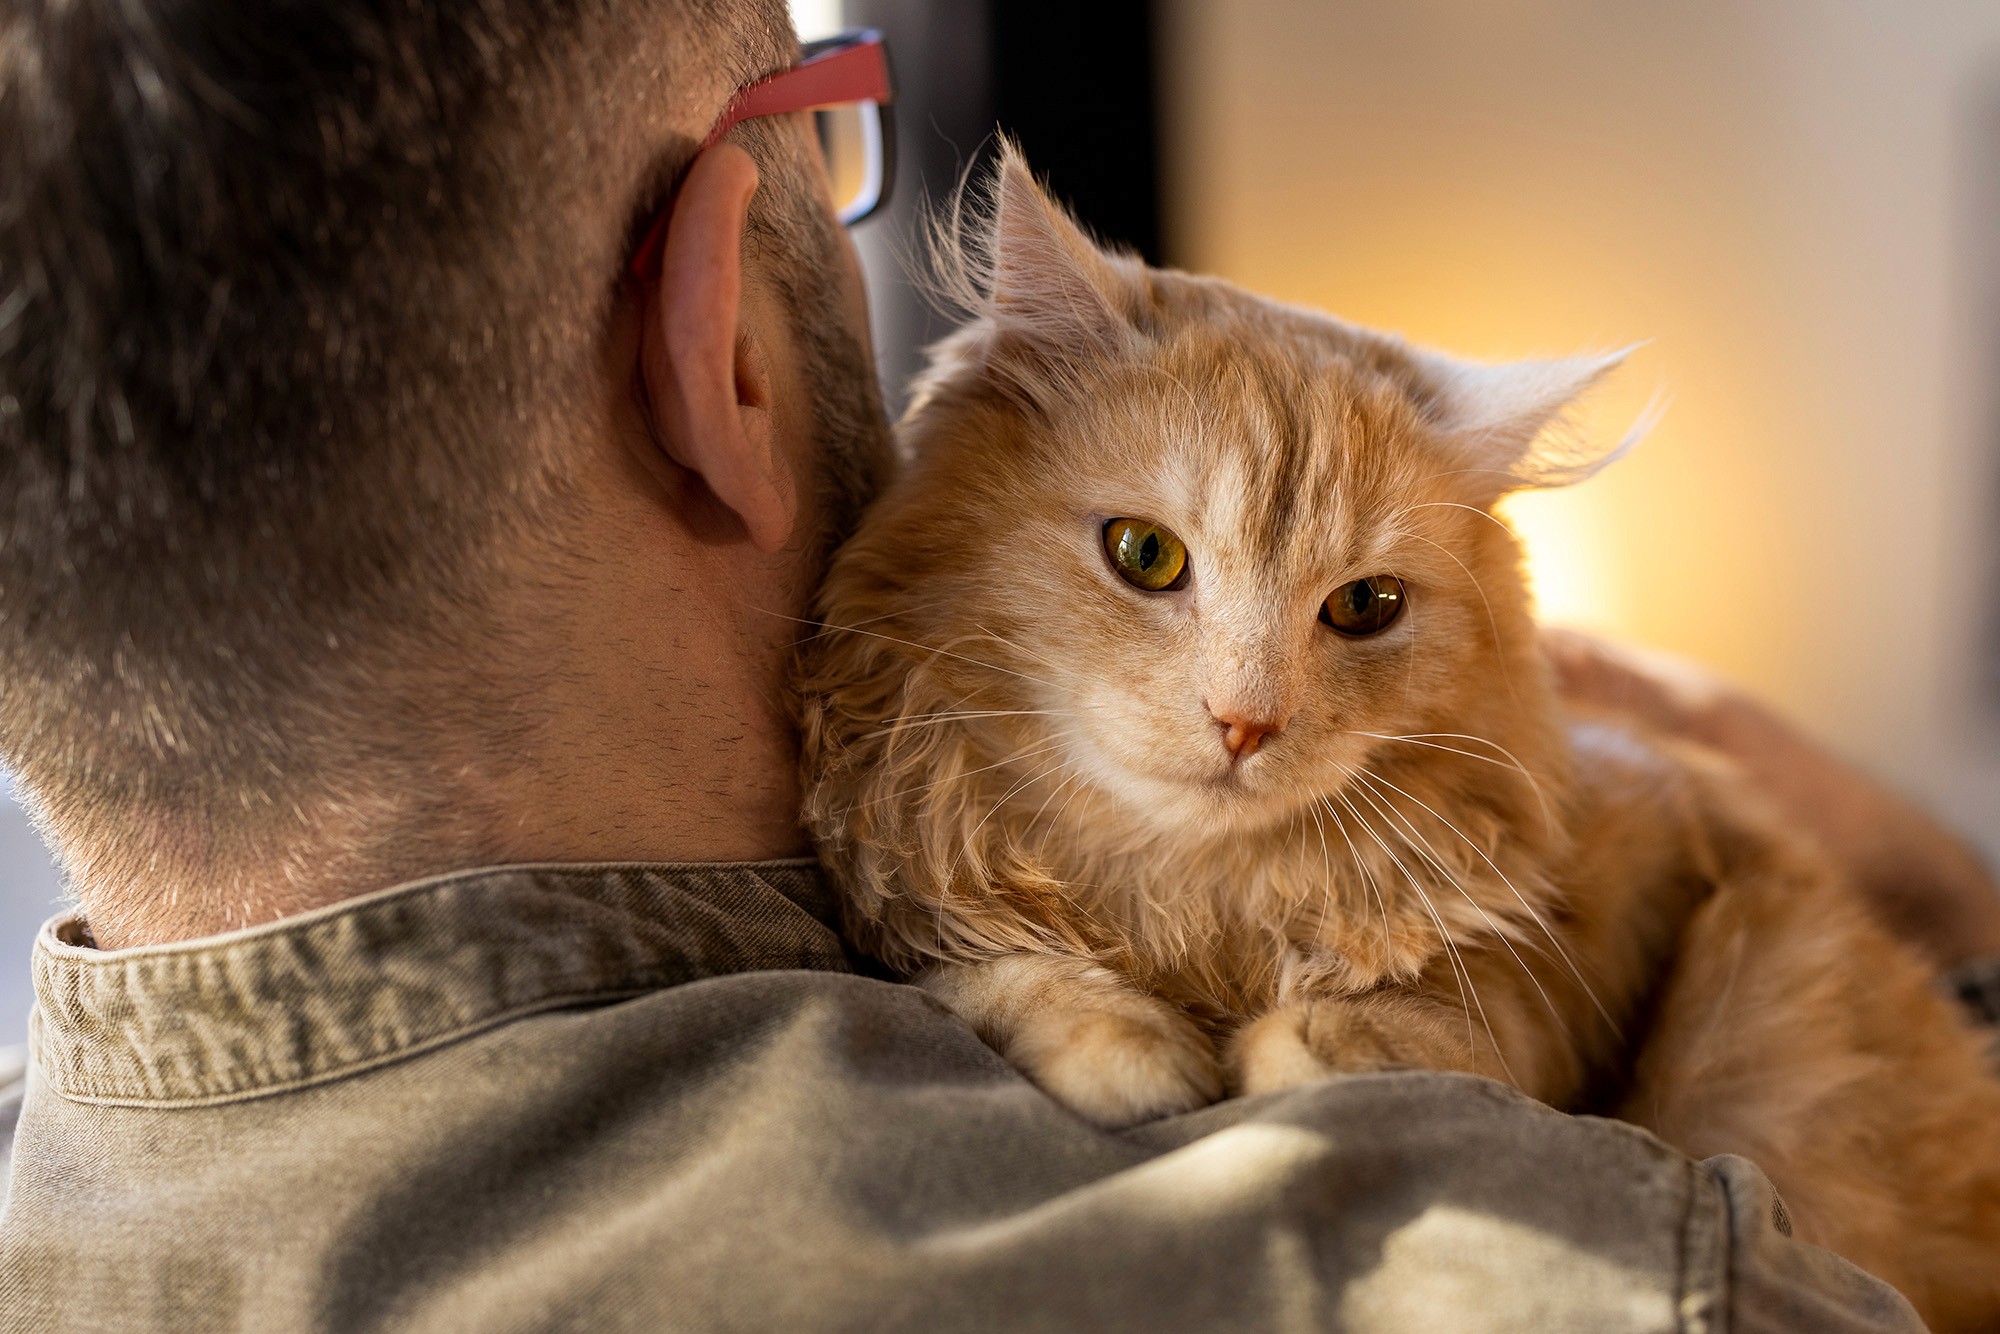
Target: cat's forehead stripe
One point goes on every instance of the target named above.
(1287, 444)
(1285, 449)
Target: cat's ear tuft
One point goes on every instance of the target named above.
(1510, 423)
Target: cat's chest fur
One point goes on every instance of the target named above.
(1227, 926)
(1355, 896)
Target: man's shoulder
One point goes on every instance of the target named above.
(813, 1150)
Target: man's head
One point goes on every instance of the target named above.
(336, 504)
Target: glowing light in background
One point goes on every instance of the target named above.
(816, 18)
(1570, 563)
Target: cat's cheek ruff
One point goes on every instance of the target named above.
(1161, 805)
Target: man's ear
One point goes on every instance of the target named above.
(708, 383)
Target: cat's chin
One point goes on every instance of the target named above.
(1178, 800)
(1198, 810)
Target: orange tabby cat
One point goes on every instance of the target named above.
(1180, 724)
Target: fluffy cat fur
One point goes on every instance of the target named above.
(1017, 777)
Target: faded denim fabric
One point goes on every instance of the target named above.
(660, 1097)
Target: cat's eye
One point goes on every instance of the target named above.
(1146, 556)
(1366, 606)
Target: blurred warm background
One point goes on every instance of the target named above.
(1798, 203)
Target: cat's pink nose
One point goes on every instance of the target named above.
(1242, 735)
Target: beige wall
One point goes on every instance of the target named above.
(1781, 194)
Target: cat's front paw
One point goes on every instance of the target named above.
(1303, 1041)
(1118, 1066)
(1095, 1043)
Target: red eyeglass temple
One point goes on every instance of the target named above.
(855, 72)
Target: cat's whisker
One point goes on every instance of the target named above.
(1041, 809)
(1493, 519)
(1461, 736)
(1328, 890)
(1326, 862)
(1430, 853)
(1468, 990)
(1011, 793)
(971, 840)
(1032, 753)
(1529, 907)
(1554, 941)
(1427, 853)
(1423, 739)
(902, 609)
(931, 649)
(1418, 623)
(945, 714)
(1022, 649)
(1367, 878)
(922, 719)
(1492, 622)
(1062, 812)
(948, 649)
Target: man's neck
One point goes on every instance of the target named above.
(666, 735)
(657, 736)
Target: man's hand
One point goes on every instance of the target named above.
(1922, 881)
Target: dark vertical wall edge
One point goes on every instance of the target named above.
(1075, 83)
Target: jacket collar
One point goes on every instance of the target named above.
(390, 974)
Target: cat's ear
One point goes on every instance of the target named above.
(1046, 300)
(1509, 423)
(1049, 282)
